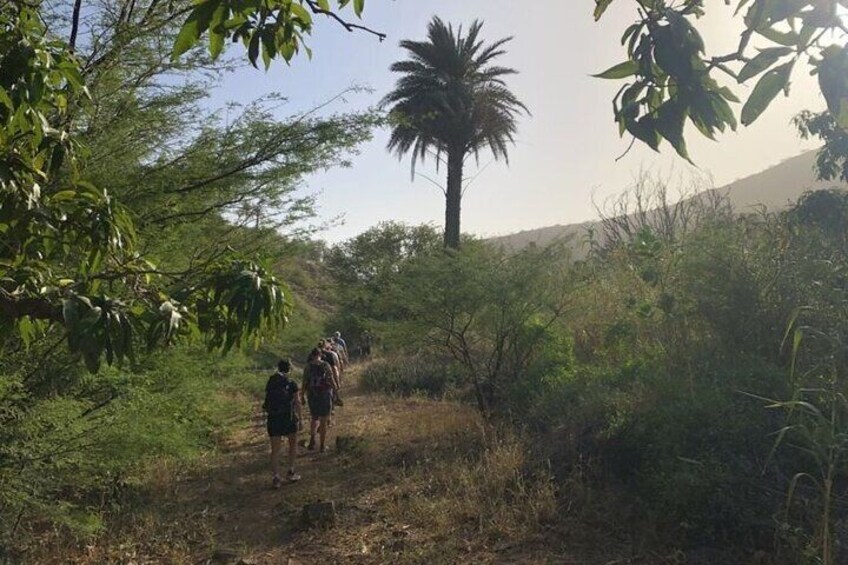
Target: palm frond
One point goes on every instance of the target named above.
(451, 97)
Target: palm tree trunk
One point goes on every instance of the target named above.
(453, 198)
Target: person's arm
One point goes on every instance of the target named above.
(334, 375)
(298, 404)
(304, 383)
(337, 375)
(265, 402)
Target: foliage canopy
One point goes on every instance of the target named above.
(672, 78)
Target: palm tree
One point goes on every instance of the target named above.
(452, 102)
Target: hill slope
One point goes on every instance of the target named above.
(774, 188)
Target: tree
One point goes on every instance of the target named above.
(452, 101)
(672, 79)
(269, 29)
(70, 253)
(496, 318)
(366, 270)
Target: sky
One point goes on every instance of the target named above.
(567, 152)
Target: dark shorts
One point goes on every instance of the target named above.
(281, 426)
(321, 404)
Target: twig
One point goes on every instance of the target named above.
(316, 9)
(425, 177)
(626, 151)
(72, 42)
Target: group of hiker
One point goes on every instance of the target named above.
(319, 389)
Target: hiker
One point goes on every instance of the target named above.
(318, 386)
(331, 357)
(367, 340)
(282, 404)
(337, 338)
(333, 360)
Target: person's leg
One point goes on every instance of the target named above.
(292, 475)
(312, 427)
(322, 431)
(276, 444)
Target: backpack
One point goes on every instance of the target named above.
(317, 379)
(279, 396)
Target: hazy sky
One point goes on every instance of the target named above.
(565, 152)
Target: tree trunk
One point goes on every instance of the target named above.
(453, 198)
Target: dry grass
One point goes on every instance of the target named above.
(423, 482)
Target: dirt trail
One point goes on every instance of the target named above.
(224, 511)
(247, 520)
(417, 486)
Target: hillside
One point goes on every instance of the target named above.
(773, 188)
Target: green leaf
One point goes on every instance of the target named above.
(601, 7)
(842, 116)
(26, 330)
(5, 100)
(764, 59)
(217, 32)
(358, 7)
(671, 118)
(197, 22)
(253, 48)
(63, 195)
(740, 6)
(302, 14)
(621, 70)
(324, 5)
(787, 38)
(728, 94)
(768, 87)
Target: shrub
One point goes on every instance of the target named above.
(408, 375)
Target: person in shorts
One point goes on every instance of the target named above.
(282, 405)
(319, 384)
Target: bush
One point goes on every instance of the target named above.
(414, 374)
(69, 458)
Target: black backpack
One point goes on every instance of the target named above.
(319, 380)
(279, 396)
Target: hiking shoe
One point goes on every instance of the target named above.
(311, 446)
(323, 449)
(277, 482)
(292, 477)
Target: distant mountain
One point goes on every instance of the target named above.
(775, 188)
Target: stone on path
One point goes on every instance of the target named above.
(319, 515)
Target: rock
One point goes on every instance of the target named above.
(223, 555)
(319, 514)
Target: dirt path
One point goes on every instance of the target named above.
(224, 511)
(416, 486)
(256, 524)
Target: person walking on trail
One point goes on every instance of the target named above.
(331, 358)
(367, 341)
(337, 338)
(282, 404)
(318, 385)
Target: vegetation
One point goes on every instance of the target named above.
(653, 371)
(141, 229)
(672, 77)
(452, 101)
(683, 385)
